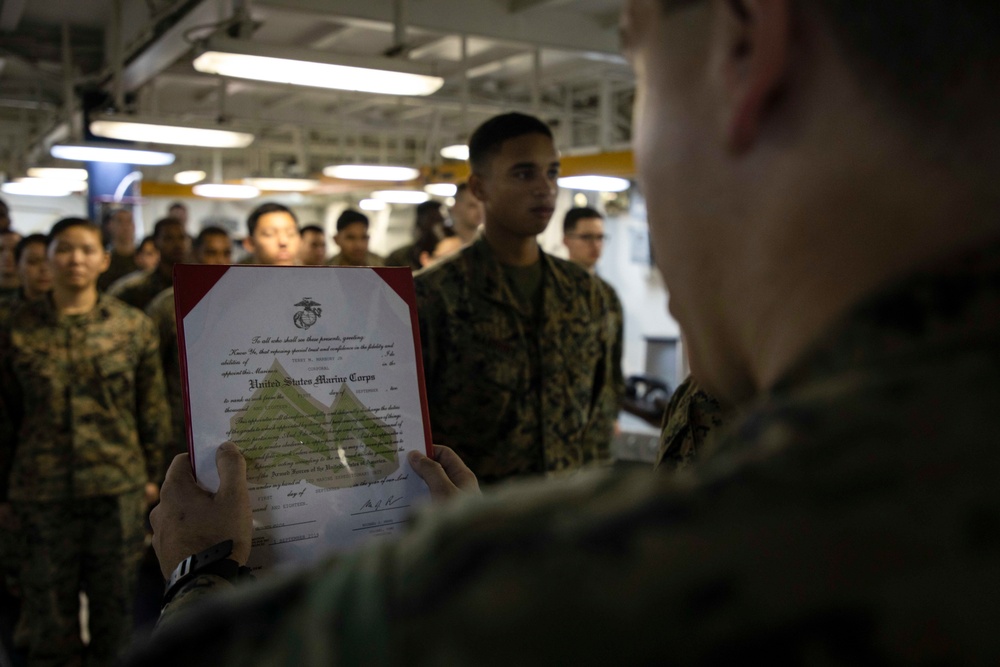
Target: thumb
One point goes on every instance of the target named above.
(232, 469)
(433, 475)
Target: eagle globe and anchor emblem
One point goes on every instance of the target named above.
(310, 312)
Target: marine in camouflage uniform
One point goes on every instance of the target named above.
(512, 394)
(693, 418)
(173, 243)
(140, 287)
(850, 517)
(371, 259)
(88, 421)
(161, 311)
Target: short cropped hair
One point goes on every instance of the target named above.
(351, 217)
(939, 59)
(312, 228)
(68, 223)
(575, 215)
(162, 224)
(426, 207)
(489, 137)
(264, 209)
(25, 242)
(211, 230)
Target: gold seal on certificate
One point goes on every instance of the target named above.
(315, 373)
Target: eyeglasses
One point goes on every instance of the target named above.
(590, 238)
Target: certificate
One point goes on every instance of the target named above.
(315, 373)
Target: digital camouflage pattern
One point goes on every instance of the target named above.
(851, 516)
(106, 535)
(616, 324)
(370, 260)
(511, 395)
(161, 311)
(692, 419)
(139, 289)
(86, 401)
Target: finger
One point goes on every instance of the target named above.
(459, 473)
(433, 475)
(180, 469)
(232, 470)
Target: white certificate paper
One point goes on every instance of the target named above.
(315, 373)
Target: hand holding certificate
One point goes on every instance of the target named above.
(314, 373)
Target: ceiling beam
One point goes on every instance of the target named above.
(547, 28)
(169, 46)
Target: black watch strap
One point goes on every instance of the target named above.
(214, 560)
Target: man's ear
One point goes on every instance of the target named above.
(248, 244)
(476, 186)
(753, 45)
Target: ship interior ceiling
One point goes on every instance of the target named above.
(62, 62)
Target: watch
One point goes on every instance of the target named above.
(213, 560)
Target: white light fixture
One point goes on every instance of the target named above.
(226, 191)
(36, 189)
(594, 183)
(370, 172)
(455, 152)
(160, 133)
(441, 189)
(246, 59)
(372, 205)
(401, 196)
(106, 153)
(59, 183)
(283, 184)
(62, 173)
(189, 177)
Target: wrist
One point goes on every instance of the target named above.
(214, 561)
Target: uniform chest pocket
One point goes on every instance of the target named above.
(116, 374)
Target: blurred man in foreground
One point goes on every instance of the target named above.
(821, 187)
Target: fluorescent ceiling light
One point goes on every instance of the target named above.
(371, 205)
(226, 191)
(246, 59)
(97, 153)
(62, 173)
(59, 183)
(128, 130)
(189, 177)
(455, 152)
(441, 189)
(283, 184)
(594, 183)
(36, 189)
(371, 172)
(401, 196)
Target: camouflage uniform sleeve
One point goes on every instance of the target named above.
(10, 405)
(607, 401)
(152, 408)
(692, 418)
(426, 315)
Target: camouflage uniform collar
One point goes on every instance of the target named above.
(492, 282)
(947, 305)
(100, 311)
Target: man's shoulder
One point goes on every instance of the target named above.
(451, 272)
(128, 281)
(162, 304)
(122, 314)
